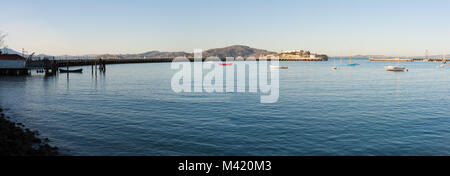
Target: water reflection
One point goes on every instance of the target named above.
(320, 112)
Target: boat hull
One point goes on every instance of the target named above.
(395, 69)
(71, 71)
(279, 67)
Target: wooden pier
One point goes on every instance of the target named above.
(435, 60)
(14, 72)
(305, 60)
(93, 62)
(51, 66)
(102, 62)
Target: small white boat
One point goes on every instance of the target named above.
(444, 61)
(278, 67)
(395, 69)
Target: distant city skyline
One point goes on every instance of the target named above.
(350, 27)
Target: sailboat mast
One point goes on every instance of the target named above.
(350, 56)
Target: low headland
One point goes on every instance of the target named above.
(16, 140)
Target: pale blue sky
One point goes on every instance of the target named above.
(402, 27)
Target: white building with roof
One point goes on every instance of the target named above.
(12, 61)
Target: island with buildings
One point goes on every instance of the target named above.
(298, 55)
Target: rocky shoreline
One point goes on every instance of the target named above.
(16, 140)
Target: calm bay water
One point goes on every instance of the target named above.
(132, 110)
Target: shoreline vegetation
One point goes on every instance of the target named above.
(16, 140)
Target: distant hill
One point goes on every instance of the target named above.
(236, 51)
(383, 56)
(230, 51)
(370, 56)
(157, 54)
(10, 51)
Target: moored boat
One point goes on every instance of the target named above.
(352, 65)
(395, 68)
(278, 67)
(71, 71)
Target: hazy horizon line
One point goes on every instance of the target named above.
(153, 50)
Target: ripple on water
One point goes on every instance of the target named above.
(130, 111)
